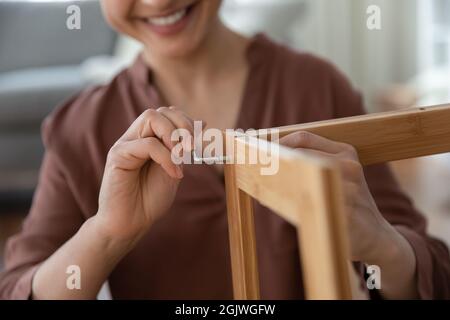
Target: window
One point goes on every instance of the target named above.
(434, 50)
(440, 24)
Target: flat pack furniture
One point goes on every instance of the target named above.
(307, 192)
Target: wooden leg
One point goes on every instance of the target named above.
(244, 263)
(323, 242)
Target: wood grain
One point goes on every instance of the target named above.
(323, 241)
(388, 136)
(287, 191)
(306, 192)
(241, 229)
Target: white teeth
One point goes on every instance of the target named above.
(168, 20)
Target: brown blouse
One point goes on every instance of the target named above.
(186, 254)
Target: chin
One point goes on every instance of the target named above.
(175, 31)
(175, 48)
(178, 32)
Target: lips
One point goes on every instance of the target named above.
(169, 19)
(172, 22)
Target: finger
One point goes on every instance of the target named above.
(351, 170)
(181, 121)
(200, 143)
(134, 154)
(350, 193)
(316, 153)
(136, 127)
(307, 140)
(151, 123)
(179, 118)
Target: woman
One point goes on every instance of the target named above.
(111, 201)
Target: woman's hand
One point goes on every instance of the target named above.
(139, 184)
(140, 179)
(373, 240)
(368, 230)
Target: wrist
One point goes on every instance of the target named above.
(111, 244)
(396, 260)
(388, 247)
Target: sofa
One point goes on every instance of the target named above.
(42, 63)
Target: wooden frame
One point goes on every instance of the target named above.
(315, 206)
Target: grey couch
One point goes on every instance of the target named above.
(40, 67)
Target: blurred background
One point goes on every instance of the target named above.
(42, 63)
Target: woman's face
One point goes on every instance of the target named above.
(172, 28)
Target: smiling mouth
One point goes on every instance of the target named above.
(170, 19)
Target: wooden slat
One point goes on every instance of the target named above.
(306, 192)
(241, 229)
(323, 240)
(280, 192)
(387, 136)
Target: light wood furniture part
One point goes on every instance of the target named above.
(306, 191)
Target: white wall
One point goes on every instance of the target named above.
(336, 30)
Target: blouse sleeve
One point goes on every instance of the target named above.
(54, 218)
(432, 255)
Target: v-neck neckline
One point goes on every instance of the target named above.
(255, 56)
(254, 60)
(244, 121)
